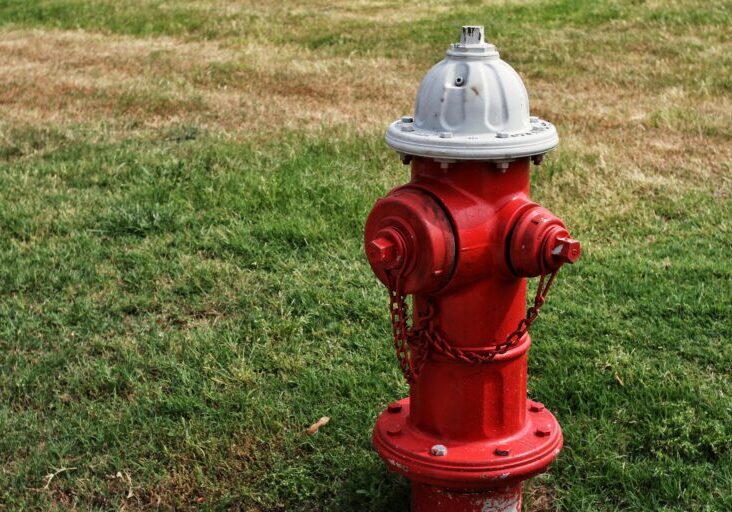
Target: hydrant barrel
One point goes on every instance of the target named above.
(461, 238)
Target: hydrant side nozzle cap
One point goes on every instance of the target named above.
(566, 249)
(480, 101)
(386, 250)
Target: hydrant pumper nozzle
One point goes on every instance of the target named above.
(462, 237)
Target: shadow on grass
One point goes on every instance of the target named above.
(372, 487)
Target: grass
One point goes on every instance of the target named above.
(182, 285)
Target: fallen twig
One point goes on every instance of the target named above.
(126, 476)
(313, 429)
(51, 476)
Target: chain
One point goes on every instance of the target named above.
(407, 343)
(413, 344)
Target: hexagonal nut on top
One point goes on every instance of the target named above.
(386, 250)
(567, 250)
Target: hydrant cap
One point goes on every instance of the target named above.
(472, 106)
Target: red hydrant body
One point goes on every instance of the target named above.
(461, 238)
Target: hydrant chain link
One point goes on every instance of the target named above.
(406, 340)
(412, 351)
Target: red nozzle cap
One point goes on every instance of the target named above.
(382, 251)
(385, 250)
(408, 235)
(540, 243)
(566, 250)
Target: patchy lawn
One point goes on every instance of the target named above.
(183, 188)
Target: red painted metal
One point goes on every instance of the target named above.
(464, 237)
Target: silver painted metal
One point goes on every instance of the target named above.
(439, 450)
(480, 101)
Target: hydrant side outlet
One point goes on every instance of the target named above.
(462, 237)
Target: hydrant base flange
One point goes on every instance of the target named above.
(481, 464)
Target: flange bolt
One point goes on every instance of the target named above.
(543, 431)
(439, 450)
(502, 451)
(536, 406)
(394, 407)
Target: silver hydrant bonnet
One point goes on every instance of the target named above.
(472, 106)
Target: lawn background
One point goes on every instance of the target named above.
(183, 187)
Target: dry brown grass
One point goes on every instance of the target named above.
(632, 135)
(78, 77)
(538, 497)
(372, 10)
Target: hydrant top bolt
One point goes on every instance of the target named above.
(438, 450)
(472, 34)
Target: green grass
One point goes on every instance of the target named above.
(152, 17)
(180, 311)
(171, 311)
(178, 305)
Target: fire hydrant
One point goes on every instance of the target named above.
(461, 238)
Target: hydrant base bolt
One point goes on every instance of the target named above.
(536, 407)
(438, 450)
(394, 407)
(502, 451)
(394, 431)
(543, 431)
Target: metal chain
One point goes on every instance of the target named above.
(406, 343)
(413, 344)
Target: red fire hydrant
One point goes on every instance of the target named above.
(462, 238)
